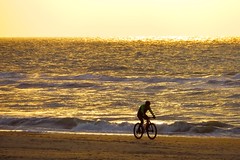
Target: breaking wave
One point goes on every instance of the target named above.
(215, 128)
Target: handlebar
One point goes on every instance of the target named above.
(152, 117)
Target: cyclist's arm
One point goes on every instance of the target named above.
(150, 110)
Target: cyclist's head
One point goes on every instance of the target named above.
(147, 103)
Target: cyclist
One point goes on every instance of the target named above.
(142, 112)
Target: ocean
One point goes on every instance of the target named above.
(94, 85)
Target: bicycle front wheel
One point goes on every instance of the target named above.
(152, 131)
(138, 130)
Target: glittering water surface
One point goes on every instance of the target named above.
(191, 81)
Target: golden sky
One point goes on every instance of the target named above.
(119, 18)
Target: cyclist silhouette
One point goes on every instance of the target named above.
(142, 112)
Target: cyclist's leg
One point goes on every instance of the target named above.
(148, 120)
(141, 119)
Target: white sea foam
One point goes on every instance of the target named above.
(77, 125)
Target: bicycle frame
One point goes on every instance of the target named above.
(149, 127)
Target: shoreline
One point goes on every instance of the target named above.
(45, 146)
(124, 134)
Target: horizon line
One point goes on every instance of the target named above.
(129, 38)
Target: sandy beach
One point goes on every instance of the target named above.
(32, 146)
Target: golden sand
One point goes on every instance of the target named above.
(46, 146)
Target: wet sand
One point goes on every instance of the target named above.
(46, 146)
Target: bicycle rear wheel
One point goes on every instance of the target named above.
(152, 131)
(138, 130)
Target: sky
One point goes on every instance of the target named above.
(119, 18)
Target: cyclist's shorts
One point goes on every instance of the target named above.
(143, 116)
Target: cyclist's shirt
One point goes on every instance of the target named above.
(143, 109)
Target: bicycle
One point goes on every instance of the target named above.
(139, 130)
